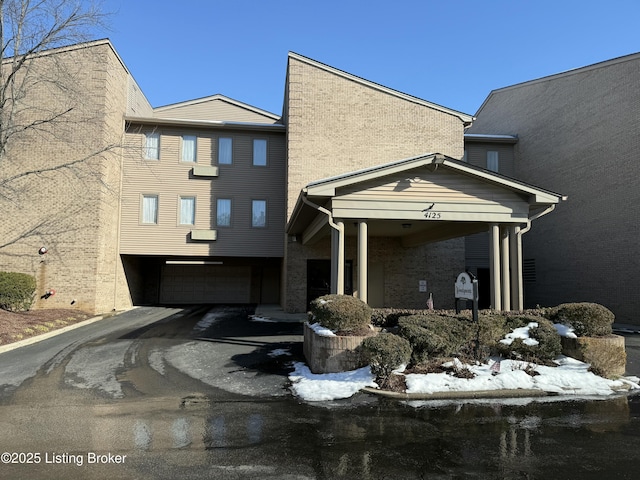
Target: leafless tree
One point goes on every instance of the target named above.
(29, 31)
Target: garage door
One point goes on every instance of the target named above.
(205, 284)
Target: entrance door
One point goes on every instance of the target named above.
(319, 278)
(484, 288)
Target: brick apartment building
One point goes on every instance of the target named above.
(355, 188)
(576, 133)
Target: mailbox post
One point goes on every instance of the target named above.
(466, 288)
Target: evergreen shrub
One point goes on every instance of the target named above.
(343, 314)
(385, 352)
(17, 291)
(433, 336)
(587, 319)
(549, 344)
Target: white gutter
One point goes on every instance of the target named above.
(549, 209)
(320, 209)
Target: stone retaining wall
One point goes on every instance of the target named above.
(606, 355)
(331, 354)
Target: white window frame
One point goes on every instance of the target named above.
(149, 211)
(225, 160)
(187, 210)
(263, 222)
(493, 161)
(189, 149)
(226, 223)
(260, 152)
(152, 146)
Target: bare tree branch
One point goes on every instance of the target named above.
(32, 36)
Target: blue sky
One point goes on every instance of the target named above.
(450, 52)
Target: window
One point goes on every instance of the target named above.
(187, 210)
(152, 146)
(150, 209)
(189, 148)
(225, 151)
(492, 161)
(260, 152)
(259, 213)
(223, 212)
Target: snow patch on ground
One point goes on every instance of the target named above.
(279, 352)
(328, 386)
(570, 377)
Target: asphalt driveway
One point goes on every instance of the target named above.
(161, 393)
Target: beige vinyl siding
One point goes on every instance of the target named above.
(455, 197)
(477, 155)
(215, 109)
(170, 178)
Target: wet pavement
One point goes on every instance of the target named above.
(201, 393)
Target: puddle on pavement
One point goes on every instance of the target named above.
(360, 438)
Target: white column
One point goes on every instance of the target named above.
(337, 259)
(362, 260)
(505, 276)
(494, 265)
(515, 252)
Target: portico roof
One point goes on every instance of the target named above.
(426, 198)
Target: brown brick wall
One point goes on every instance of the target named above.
(71, 207)
(337, 125)
(578, 136)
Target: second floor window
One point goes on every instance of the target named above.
(223, 212)
(259, 213)
(150, 209)
(260, 152)
(152, 146)
(492, 161)
(187, 210)
(189, 143)
(225, 151)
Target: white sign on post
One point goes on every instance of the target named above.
(464, 286)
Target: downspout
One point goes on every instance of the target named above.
(549, 209)
(339, 272)
(306, 201)
(519, 234)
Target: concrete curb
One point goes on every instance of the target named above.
(459, 395)
(38, 338)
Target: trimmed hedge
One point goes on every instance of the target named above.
(385, 352)
(17, 291)
(388, 317)
(549, 343)
(433, 336)
(343, 314)
(587, 319)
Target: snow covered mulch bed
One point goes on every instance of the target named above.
(569, 378)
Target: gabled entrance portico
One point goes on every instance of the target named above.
(422, 200)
